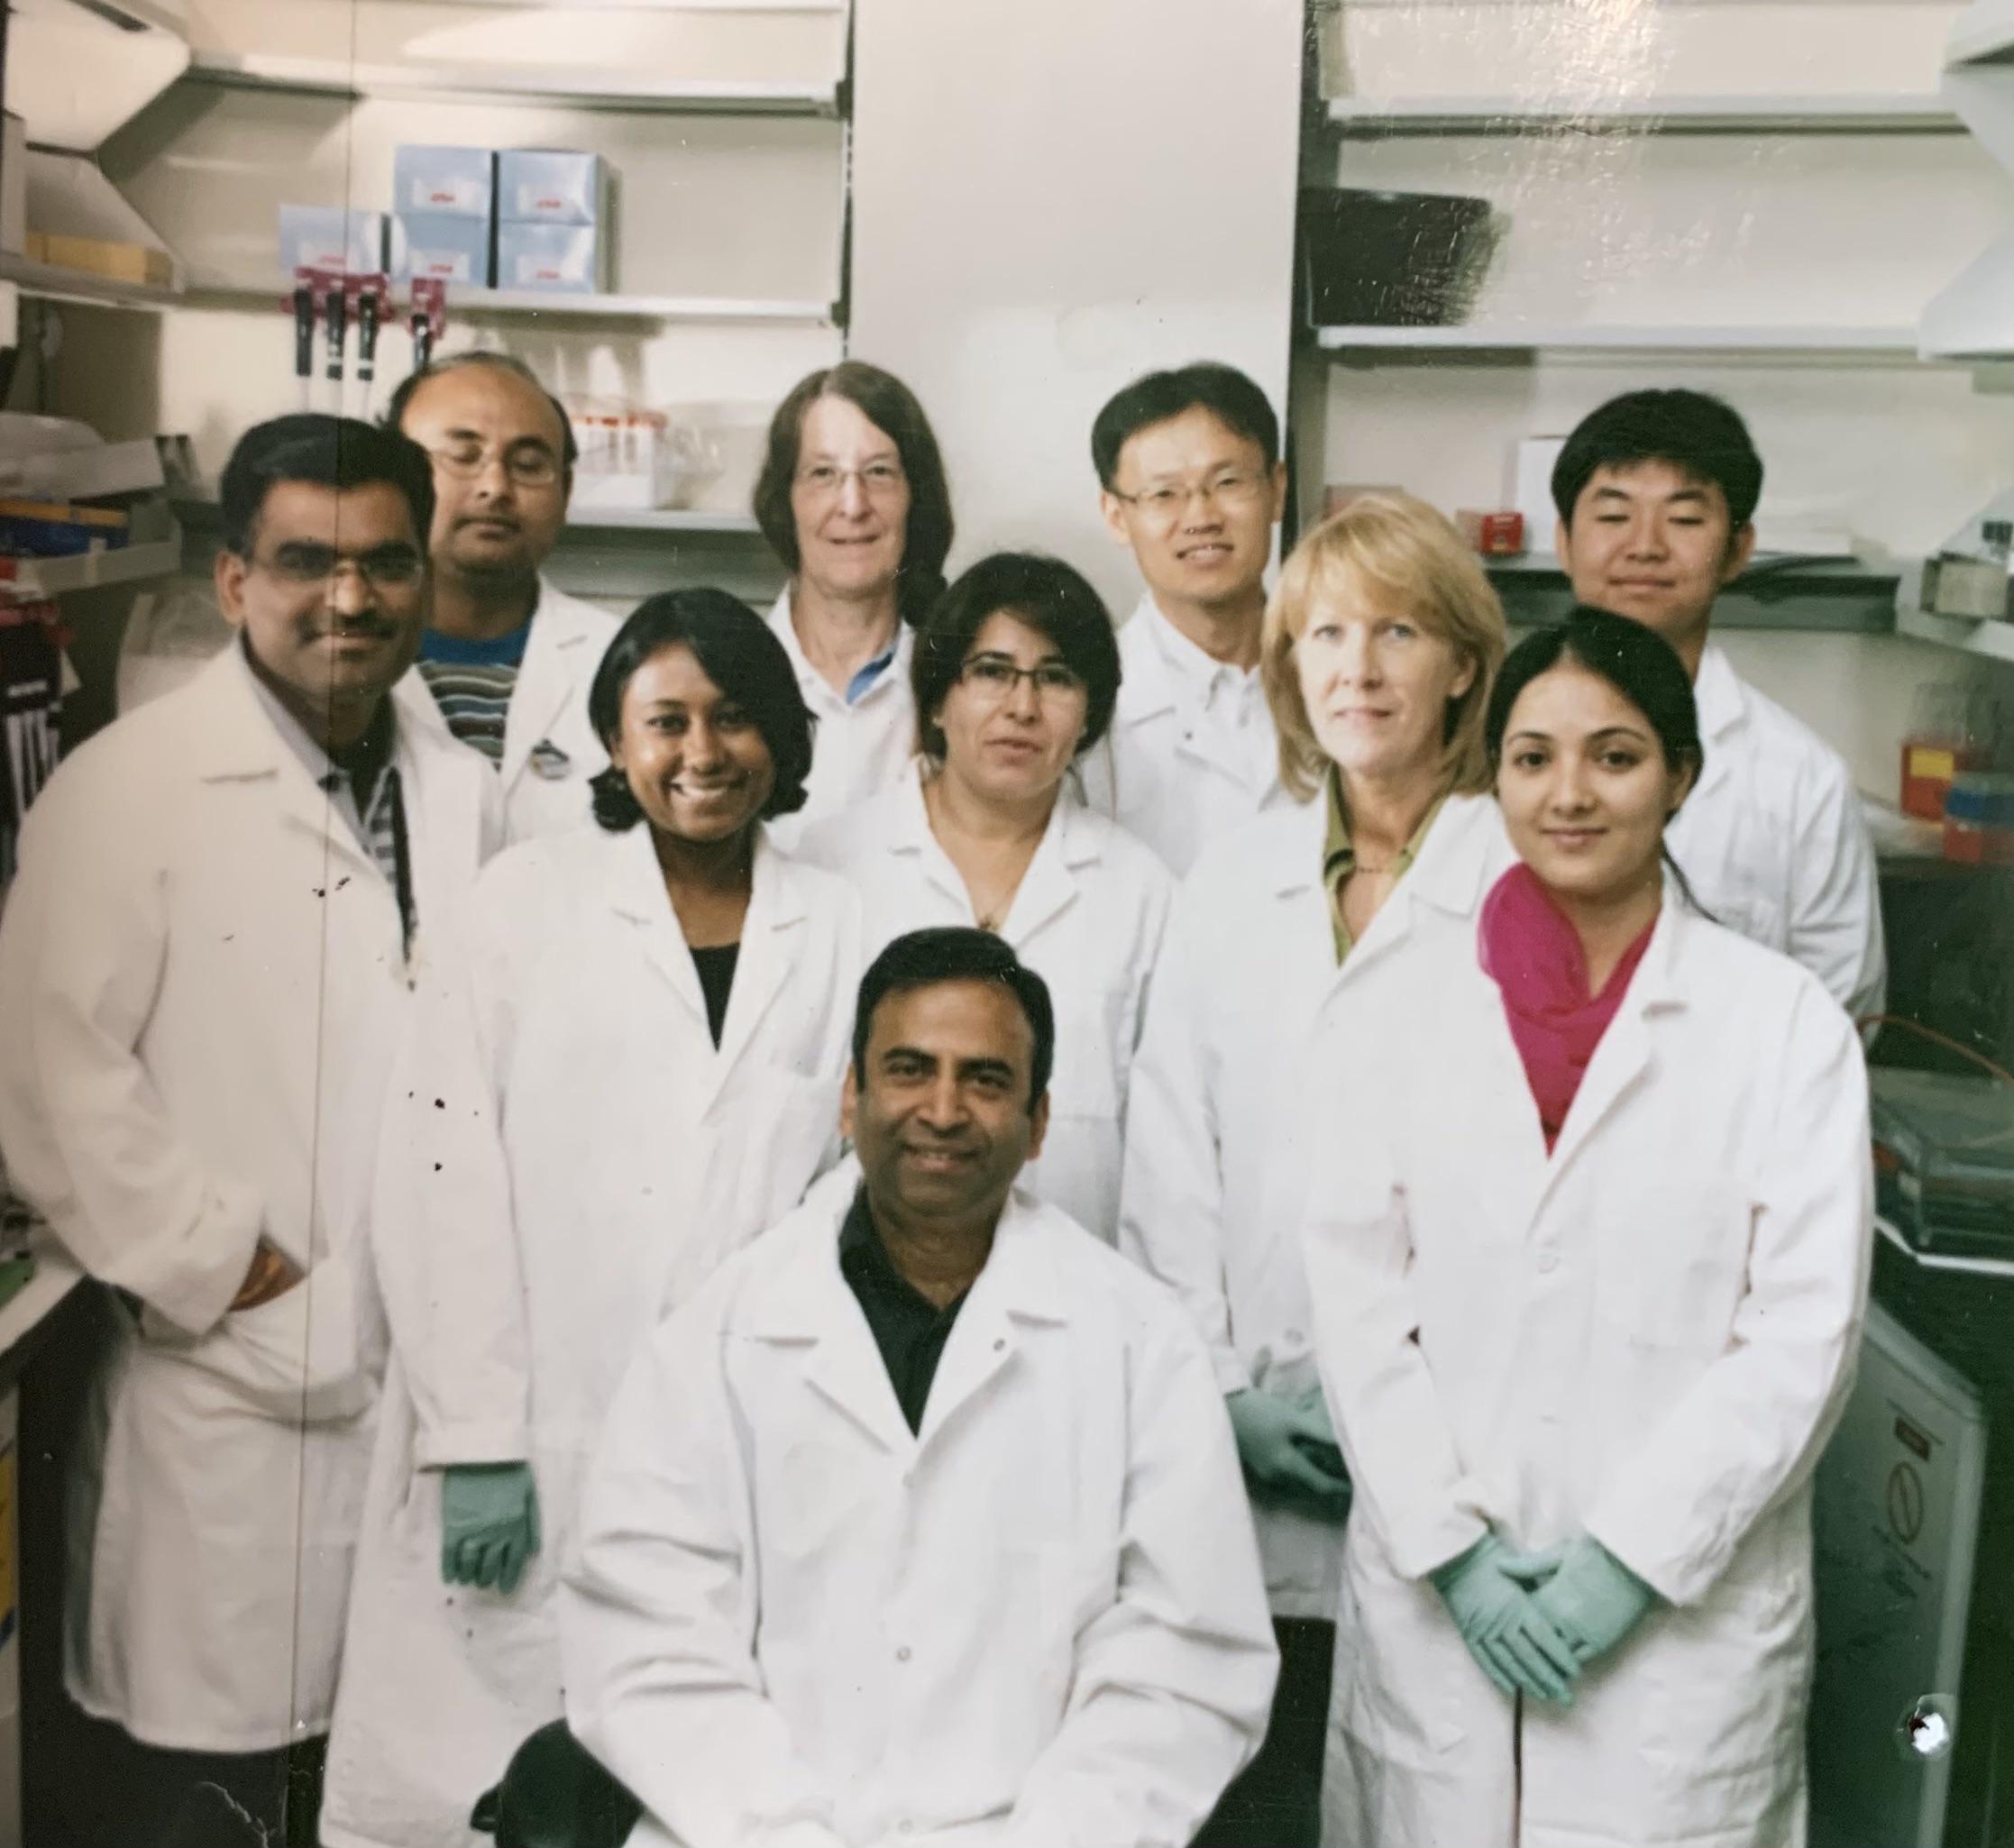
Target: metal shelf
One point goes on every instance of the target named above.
(1842, 596)
(52, 283)
(91, 570)
(1511, 336)
(1994, 640)
(584, 307)
(1914, 113)
(580, 88)
(1932, 1260)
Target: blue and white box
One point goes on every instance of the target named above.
(550, 185)
(565, 258)
(441, 245)
(327, 237)
(444, 182)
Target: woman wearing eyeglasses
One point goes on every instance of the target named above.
(630, 1065)
(1015, 674)
(852, 497)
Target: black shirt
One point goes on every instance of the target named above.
(716, 967)
(910, 1329)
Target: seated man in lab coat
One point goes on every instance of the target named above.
(1656, 492)
(1192, 483)
(922, 1522)
(204, 969)
(507, 653)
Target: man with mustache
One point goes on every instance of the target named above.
(922, 1522)
(508, 655)
(205, 969)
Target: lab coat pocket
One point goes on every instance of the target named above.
(302, 1356)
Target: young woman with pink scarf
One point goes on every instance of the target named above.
(1589, 1273)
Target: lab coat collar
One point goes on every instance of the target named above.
(1658, 988)
(1073, 840)
(817, 689)
(559, 654)
(806, 1302)
(240, 741)
(779, 899)
(1464, 849)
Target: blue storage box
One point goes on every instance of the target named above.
(550, 185)
(451, 182)
(437, 245)
(566, 259)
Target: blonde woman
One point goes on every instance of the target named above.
(1379, 645)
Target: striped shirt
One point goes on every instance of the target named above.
(471, 682)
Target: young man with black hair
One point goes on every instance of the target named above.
(1190, 481)
(203, 970)
(1656, 492)
(923, 1520)
(507, 653)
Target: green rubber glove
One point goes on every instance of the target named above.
(488, 1524)
(1514, 1641)
(1287, 1448)
(1593, 1600)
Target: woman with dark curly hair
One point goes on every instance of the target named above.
(630, 1065)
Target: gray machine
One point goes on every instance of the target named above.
(1897, 1518)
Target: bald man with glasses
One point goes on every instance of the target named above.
(508, 654)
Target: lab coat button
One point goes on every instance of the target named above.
(902, 1654)
(1549, 1260)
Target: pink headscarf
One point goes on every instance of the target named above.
(1532, 953)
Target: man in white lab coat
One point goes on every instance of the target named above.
(1656, 492)
(922, 1522)
(1191, 481)
(204, 962)
(507, 653)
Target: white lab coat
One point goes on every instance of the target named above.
(1169, 771)
(203, 978)
(1774, 841)
(549, 707)
(1038, 1621)
(857, 749)
(1214, 1172)
(590, 1158)
(1647, 1336)
(1087, 919)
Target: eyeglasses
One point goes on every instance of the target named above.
(1232, 490)
(993, 677)
(383, 567)
(879, 480)
(530, 465)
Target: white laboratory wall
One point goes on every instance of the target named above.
(1051, 197)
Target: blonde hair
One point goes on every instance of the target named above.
(1402, 550)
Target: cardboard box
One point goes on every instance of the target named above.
(1494, 534)
(549, 186)
(451, 249)
(566, 259)
(118, 262)
(327, 237)
(444, 182)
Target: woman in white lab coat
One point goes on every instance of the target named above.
(1379, 645)
(631, 1068)
(1015, 674)
(1588, 1275)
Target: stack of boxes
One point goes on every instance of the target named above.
(552, 220)
(524, 218)
(443, 204)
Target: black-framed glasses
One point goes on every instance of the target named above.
(384, 567)
(995, 676)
